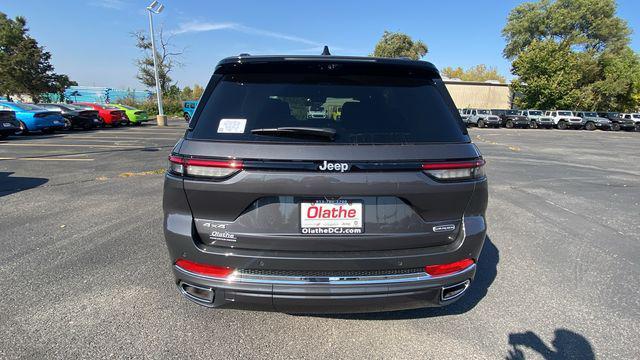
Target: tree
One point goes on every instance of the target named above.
(12, 33)
(186, 93)
(25, 67)
(60, 83)
(572, 54)
(475, 73)
(197, 91)
(397, 44)
(167, 60)
(588, 25)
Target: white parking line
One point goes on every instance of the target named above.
(75, 145)
(46, 159)
(118, 138)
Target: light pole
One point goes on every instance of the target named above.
(156, 8)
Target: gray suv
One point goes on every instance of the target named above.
(382, 208)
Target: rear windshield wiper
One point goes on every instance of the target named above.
(295, 131)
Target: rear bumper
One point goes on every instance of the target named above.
(81, 122)
(328, 294)
(325, 295)
(45, 125)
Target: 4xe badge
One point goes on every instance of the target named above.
(333, 166)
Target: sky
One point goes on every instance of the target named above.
(91, 40)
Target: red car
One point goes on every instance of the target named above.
(110, 115)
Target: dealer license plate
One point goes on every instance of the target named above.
(338, 217)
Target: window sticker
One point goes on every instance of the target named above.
(232, 126)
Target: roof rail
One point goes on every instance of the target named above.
(245, 54)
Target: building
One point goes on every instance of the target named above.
(481, 95)
(101, 94)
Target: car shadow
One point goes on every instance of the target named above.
(566, 345)
(486, 273)
(13, 184)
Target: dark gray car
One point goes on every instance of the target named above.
(379, 208)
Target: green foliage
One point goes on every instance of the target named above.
(475, 73)
(397, 44)
(584, 24)
(572, 54)
(171, 102)
(25, 67)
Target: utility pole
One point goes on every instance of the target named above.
(156, 8)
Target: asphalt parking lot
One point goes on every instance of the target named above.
(85, 272)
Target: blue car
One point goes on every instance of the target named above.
(34, 118)
(188, 107)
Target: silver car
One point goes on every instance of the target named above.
(483, 118)
(537, 119)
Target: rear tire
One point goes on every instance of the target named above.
(23, 129)
(480, 123)
(638, 127)
(562, 125)
(187, 117)
(590, 126)
(509, 124)
(533, 124)
(615, 127)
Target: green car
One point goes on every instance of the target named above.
(136, 116)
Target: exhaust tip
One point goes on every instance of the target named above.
(199, 294)
(453, 291)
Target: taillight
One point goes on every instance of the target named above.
(204, 269)
(217, 169)
(447, 269)
(456, 170)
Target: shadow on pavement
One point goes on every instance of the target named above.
(566, 345)
(13, 184)
(485, 275)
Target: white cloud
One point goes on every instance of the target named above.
(110, 4)
(196, 26)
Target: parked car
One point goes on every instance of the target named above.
(565, 119)
(635, 117)
(465, 113)
(264, 208)
(109, 114)
(537, 119)
(511, 118)
(188, 108)
(617, 121)
(76, 117)
(34, 118)
(9, 125)
(135, 116)
(482, 118)
(316, 112)
(592, 121)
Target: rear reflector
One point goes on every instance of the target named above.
(447, 269)
(457, 170)
(203, 167)
(204, 269)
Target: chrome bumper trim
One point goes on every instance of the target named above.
(237, 277)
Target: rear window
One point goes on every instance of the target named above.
(361, 109)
